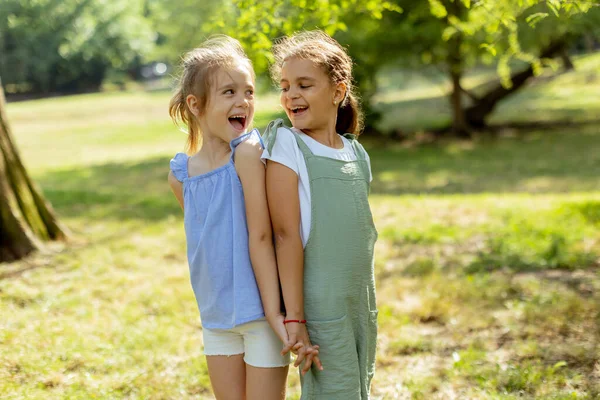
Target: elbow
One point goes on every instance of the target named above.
(260, 238)
(285, 235)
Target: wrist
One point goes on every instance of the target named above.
(273, 314)
(299, 316)
(294, 321)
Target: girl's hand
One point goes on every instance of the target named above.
(299, 343)
(276, 322)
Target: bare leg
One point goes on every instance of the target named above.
(227, 376)
(266, 383)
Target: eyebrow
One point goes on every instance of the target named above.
(228, 86)
(301, 78)
(233, 86)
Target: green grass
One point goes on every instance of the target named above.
(487, 259)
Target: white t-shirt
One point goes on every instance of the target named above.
(285, 151)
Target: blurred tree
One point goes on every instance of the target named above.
(451, 34)
(68, 45)
(181, 25)
(25, 217)
(456, 35)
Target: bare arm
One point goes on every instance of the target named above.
(284, 205)
(260, 235)
(176, 187)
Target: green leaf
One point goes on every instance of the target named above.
(559, 364)
(553, 6)
(389, 6)
(437, 9)
(490, 48)
(533, 19)
(467, 3)
(448, 33)
(503, 70)
(536, 66)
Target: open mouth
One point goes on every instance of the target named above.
(238, 122)
(298, 110)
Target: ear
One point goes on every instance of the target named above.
(192, 103)
(340, 93)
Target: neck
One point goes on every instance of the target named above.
(214, 150)
(325, 135)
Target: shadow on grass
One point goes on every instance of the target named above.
(114, 190)
(556, 161)
(541, 162)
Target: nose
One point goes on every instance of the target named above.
(292, 93)
(242, 101)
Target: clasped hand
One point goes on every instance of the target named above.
(294, 335)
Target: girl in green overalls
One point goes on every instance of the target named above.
(318, 179)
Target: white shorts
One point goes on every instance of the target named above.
(256, 340)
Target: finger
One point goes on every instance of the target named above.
(317, 362)
(296, 347)
(291, 343)
(314, 353)
(286, 349)
(313, 349)
(308, 361)
(300, 358)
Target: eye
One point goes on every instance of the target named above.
(250, 92)
(284, 89)
(228, 91)
(305, 86)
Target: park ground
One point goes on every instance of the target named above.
(487, 262)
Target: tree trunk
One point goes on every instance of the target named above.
(478, 112)
(566, 60)
(460, 127)
(25, 217)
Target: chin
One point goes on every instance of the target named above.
(299, 124)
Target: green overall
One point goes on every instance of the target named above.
(339, 283)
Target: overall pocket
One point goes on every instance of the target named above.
(340, 375)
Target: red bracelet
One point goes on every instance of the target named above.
(299, 321)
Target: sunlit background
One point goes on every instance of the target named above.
(483, 126)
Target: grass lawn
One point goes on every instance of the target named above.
(487, 260)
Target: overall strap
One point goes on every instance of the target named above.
(358, 149)
(270, 134)
(306, 151)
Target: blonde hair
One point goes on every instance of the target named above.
(327, 53)
(198, 67)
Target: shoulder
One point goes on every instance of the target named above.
(353, 141)
(360, 146)
(174, 182)
(285, 138)
(249, 149)
(276, 132)
(178, 166)
(179, 159)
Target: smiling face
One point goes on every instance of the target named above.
(308, 96)
(230, 107)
